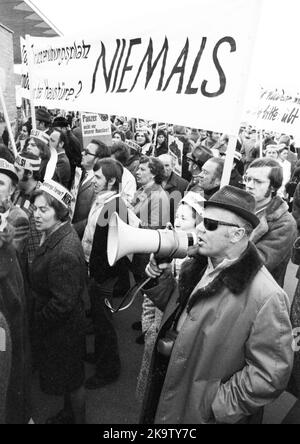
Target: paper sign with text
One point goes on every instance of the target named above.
(190, 72)
(95, 126)
(276, 110)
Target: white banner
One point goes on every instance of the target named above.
(276, 110)
(192, 71)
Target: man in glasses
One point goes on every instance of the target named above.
(275, 235)
(224, 347)
(86, 193)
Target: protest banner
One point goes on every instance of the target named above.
(191, 72)
(176, 151)
(276, 110)
(5, 112)
(95, 126)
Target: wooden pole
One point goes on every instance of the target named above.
(8, 125)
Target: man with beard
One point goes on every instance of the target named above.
(275, 235)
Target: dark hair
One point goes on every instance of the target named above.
(35, 174)
(121, 152)
(276, 173)
(147, 138)
(61, 212)
(6, 154)
(111, 169)
(62, 136)
(103, 150)
(28, 127)
(121, 134)
(156, 167)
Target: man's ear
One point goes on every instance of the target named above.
(111, 182)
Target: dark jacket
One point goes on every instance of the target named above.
(12, 306)
(59, 278)
(175, 188)
(274, 238)
(233, 354)
(100, 270)
(5, 365)
(85, 198)
(63, 170)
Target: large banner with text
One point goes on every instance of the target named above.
(190, 72)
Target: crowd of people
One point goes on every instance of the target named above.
(217, 327)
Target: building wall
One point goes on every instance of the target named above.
(7, 64)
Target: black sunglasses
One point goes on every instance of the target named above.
(212, 224)
(88, 153)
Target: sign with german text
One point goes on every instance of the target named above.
(276, 110)
(189, 72)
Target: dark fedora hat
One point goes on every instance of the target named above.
(240, 202)
(200, 155)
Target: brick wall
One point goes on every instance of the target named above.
(7, 64)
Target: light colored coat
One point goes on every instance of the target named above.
(233, 354)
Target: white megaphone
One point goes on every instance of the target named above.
(124, 240)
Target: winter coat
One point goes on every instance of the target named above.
(12, 305)
(233, 354)
(5, 365)
(59, 278)
(274, 238)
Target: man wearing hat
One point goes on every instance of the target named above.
(196, 159)
(224, 347)
(43, 120)
(14, 215)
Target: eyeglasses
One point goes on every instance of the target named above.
(212, 224)
(248, 179)
(89, 153)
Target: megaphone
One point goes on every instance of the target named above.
(124, 240)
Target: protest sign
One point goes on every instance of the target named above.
(95, 126)
(276, 110)
(176, 151)
(191, 72)
(25, 90)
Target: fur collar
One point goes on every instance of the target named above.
(236, 277)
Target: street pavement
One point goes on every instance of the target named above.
(117, 403)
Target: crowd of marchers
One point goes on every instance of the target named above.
(217, 327)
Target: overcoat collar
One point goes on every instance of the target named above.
(274, 211)
(236, 277)
(55, 238)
